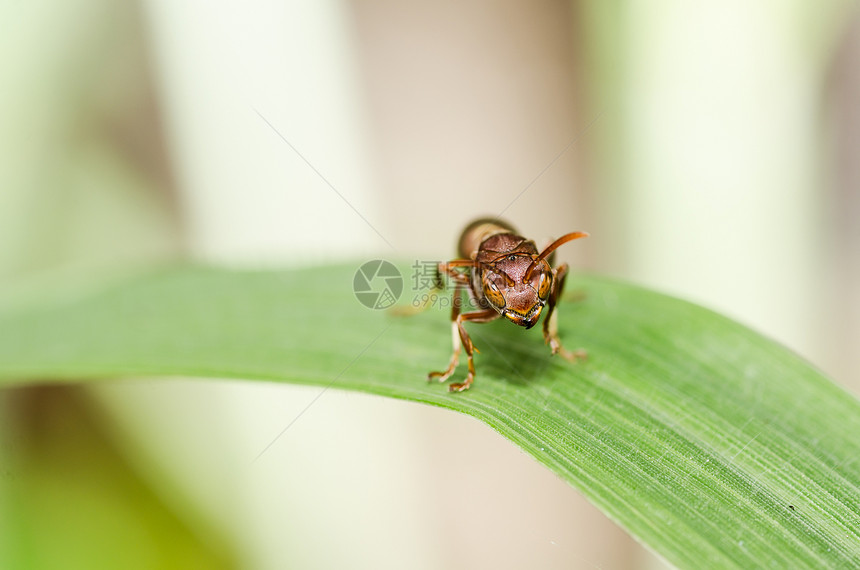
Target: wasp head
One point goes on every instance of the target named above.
(517, 290)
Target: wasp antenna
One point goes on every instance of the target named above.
(551, 248)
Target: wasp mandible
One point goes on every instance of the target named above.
(505, 276)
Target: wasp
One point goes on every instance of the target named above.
(505, 276)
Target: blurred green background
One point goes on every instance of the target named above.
(709, 148)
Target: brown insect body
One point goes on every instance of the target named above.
(499, 277)
(505, 276)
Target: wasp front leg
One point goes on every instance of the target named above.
(462, 338)
(460, 280)
(459, 336)
(550, 323)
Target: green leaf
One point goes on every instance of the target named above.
(712, 445)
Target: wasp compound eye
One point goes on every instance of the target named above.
(493, 295)
(542, 282)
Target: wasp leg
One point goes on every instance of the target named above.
(484, 316)
(461, 338)
(455, 334)
(550, 323)
(461, 280)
